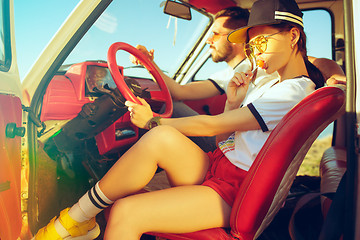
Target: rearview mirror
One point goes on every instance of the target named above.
(177, 9)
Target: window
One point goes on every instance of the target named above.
(318, 28)
(208, 68)
(319, 31)
(5, 49)
(171, 38)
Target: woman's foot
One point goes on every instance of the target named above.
(85, 230)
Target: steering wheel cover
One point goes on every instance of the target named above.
(119, 78)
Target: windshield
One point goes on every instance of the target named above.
(141, 22)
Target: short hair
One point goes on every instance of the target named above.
(238, 17)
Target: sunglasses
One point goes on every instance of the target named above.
(216, 36)
(260, 43)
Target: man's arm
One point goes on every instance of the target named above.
(331, 71)
(191, 91)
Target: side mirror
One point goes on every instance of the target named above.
(177, 9)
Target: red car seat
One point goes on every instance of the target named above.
(269, 179)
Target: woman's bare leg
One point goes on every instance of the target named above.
(184, 162)
(175, 210)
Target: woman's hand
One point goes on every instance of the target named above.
(139, 114)
(237, 88)
(148, 54)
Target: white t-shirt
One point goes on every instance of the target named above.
(268, 103)
(222, 78)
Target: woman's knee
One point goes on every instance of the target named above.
(163, 136)
(122, 219)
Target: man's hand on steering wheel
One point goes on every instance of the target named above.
(148, 54)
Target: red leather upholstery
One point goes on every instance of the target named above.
(212, 6)
(267, 184)
(65, 95)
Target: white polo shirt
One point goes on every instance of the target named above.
(269, 104)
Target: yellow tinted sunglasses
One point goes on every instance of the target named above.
(216, 36)
(260, 43)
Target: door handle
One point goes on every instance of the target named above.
(12, 130)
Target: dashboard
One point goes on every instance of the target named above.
(85, 95)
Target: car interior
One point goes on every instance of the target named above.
(84, 127)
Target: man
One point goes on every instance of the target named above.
(225, 22)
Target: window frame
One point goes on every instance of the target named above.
(332, 26)
(5, 63)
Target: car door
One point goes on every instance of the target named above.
(11, 129)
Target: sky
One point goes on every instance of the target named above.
(119, 23)
(35, 23)
(33, 31)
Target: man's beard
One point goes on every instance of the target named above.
(222, 55)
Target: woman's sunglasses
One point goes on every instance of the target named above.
(260, 43)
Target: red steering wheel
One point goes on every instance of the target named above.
(124, 89)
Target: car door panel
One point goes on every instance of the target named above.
(10, 168)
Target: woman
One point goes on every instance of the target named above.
(205, 184)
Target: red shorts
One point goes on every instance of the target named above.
(223, 176)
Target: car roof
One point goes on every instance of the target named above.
(212, 6)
